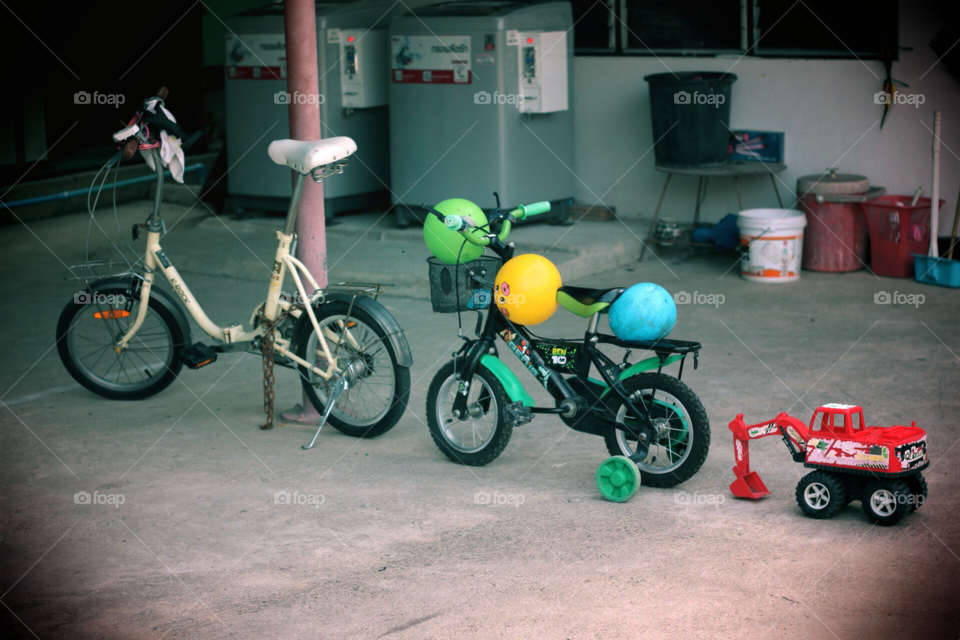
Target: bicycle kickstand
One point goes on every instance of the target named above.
(338, 387)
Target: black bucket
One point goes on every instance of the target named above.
(691, 117)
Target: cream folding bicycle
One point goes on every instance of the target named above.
(124, 337)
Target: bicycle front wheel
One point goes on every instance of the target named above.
(379, 387)
(91, 325)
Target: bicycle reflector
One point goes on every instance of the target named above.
(111, 314)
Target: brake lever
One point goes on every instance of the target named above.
(120, 137)
(429, 209)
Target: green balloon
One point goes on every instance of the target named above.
(447, 244)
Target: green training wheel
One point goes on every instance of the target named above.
(618, 478)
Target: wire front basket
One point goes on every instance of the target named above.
(462, 287)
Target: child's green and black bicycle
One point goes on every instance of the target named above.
(475, 400)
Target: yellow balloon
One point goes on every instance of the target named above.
(526, 289)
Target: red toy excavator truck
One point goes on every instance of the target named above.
(878, 466)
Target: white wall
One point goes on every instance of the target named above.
(824, 106)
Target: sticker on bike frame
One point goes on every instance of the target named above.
(559, 357)
(521, 348)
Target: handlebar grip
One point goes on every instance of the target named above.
(535, 209)
(163, 93)
(130, 148)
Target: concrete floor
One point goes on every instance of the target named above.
(398, 547)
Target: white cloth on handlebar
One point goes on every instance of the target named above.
(170, 150)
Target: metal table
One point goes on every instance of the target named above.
(729, 170)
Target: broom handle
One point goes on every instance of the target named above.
(934, 251)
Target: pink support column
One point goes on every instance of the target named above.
(303, 85)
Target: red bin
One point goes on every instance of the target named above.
(897, 229)
(836, 235)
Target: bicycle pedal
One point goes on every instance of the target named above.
(517, 414)
(198, 355)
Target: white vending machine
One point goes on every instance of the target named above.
(480, 101)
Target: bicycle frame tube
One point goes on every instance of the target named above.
(497, 326)
(155, 259)
(525, 347)
(527, 351)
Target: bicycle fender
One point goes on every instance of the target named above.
(507, 378)
(390, 325)
(165, 299)
(640, 367)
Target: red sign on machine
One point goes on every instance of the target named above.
(430, 76)
(256, 73)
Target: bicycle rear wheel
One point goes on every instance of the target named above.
(682, 430)
(379, 389)
(92, 323)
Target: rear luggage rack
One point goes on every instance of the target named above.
(97, 270)
(357, 288)
(658, 346)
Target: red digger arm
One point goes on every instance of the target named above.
(794, 434)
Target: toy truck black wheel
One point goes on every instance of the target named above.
(821, 494)
(918, 487)
(887, 502)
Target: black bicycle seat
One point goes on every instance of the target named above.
(587, 296)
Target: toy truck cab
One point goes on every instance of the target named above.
(842, 420)
(838, 439)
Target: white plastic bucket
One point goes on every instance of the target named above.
(775, 241)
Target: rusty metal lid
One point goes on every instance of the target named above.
(833, 183)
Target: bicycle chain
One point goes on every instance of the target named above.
(267, 350)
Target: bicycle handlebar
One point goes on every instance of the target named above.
(534, 209)
(463, 224)
(131, 146)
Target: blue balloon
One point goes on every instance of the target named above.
(645, 311)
